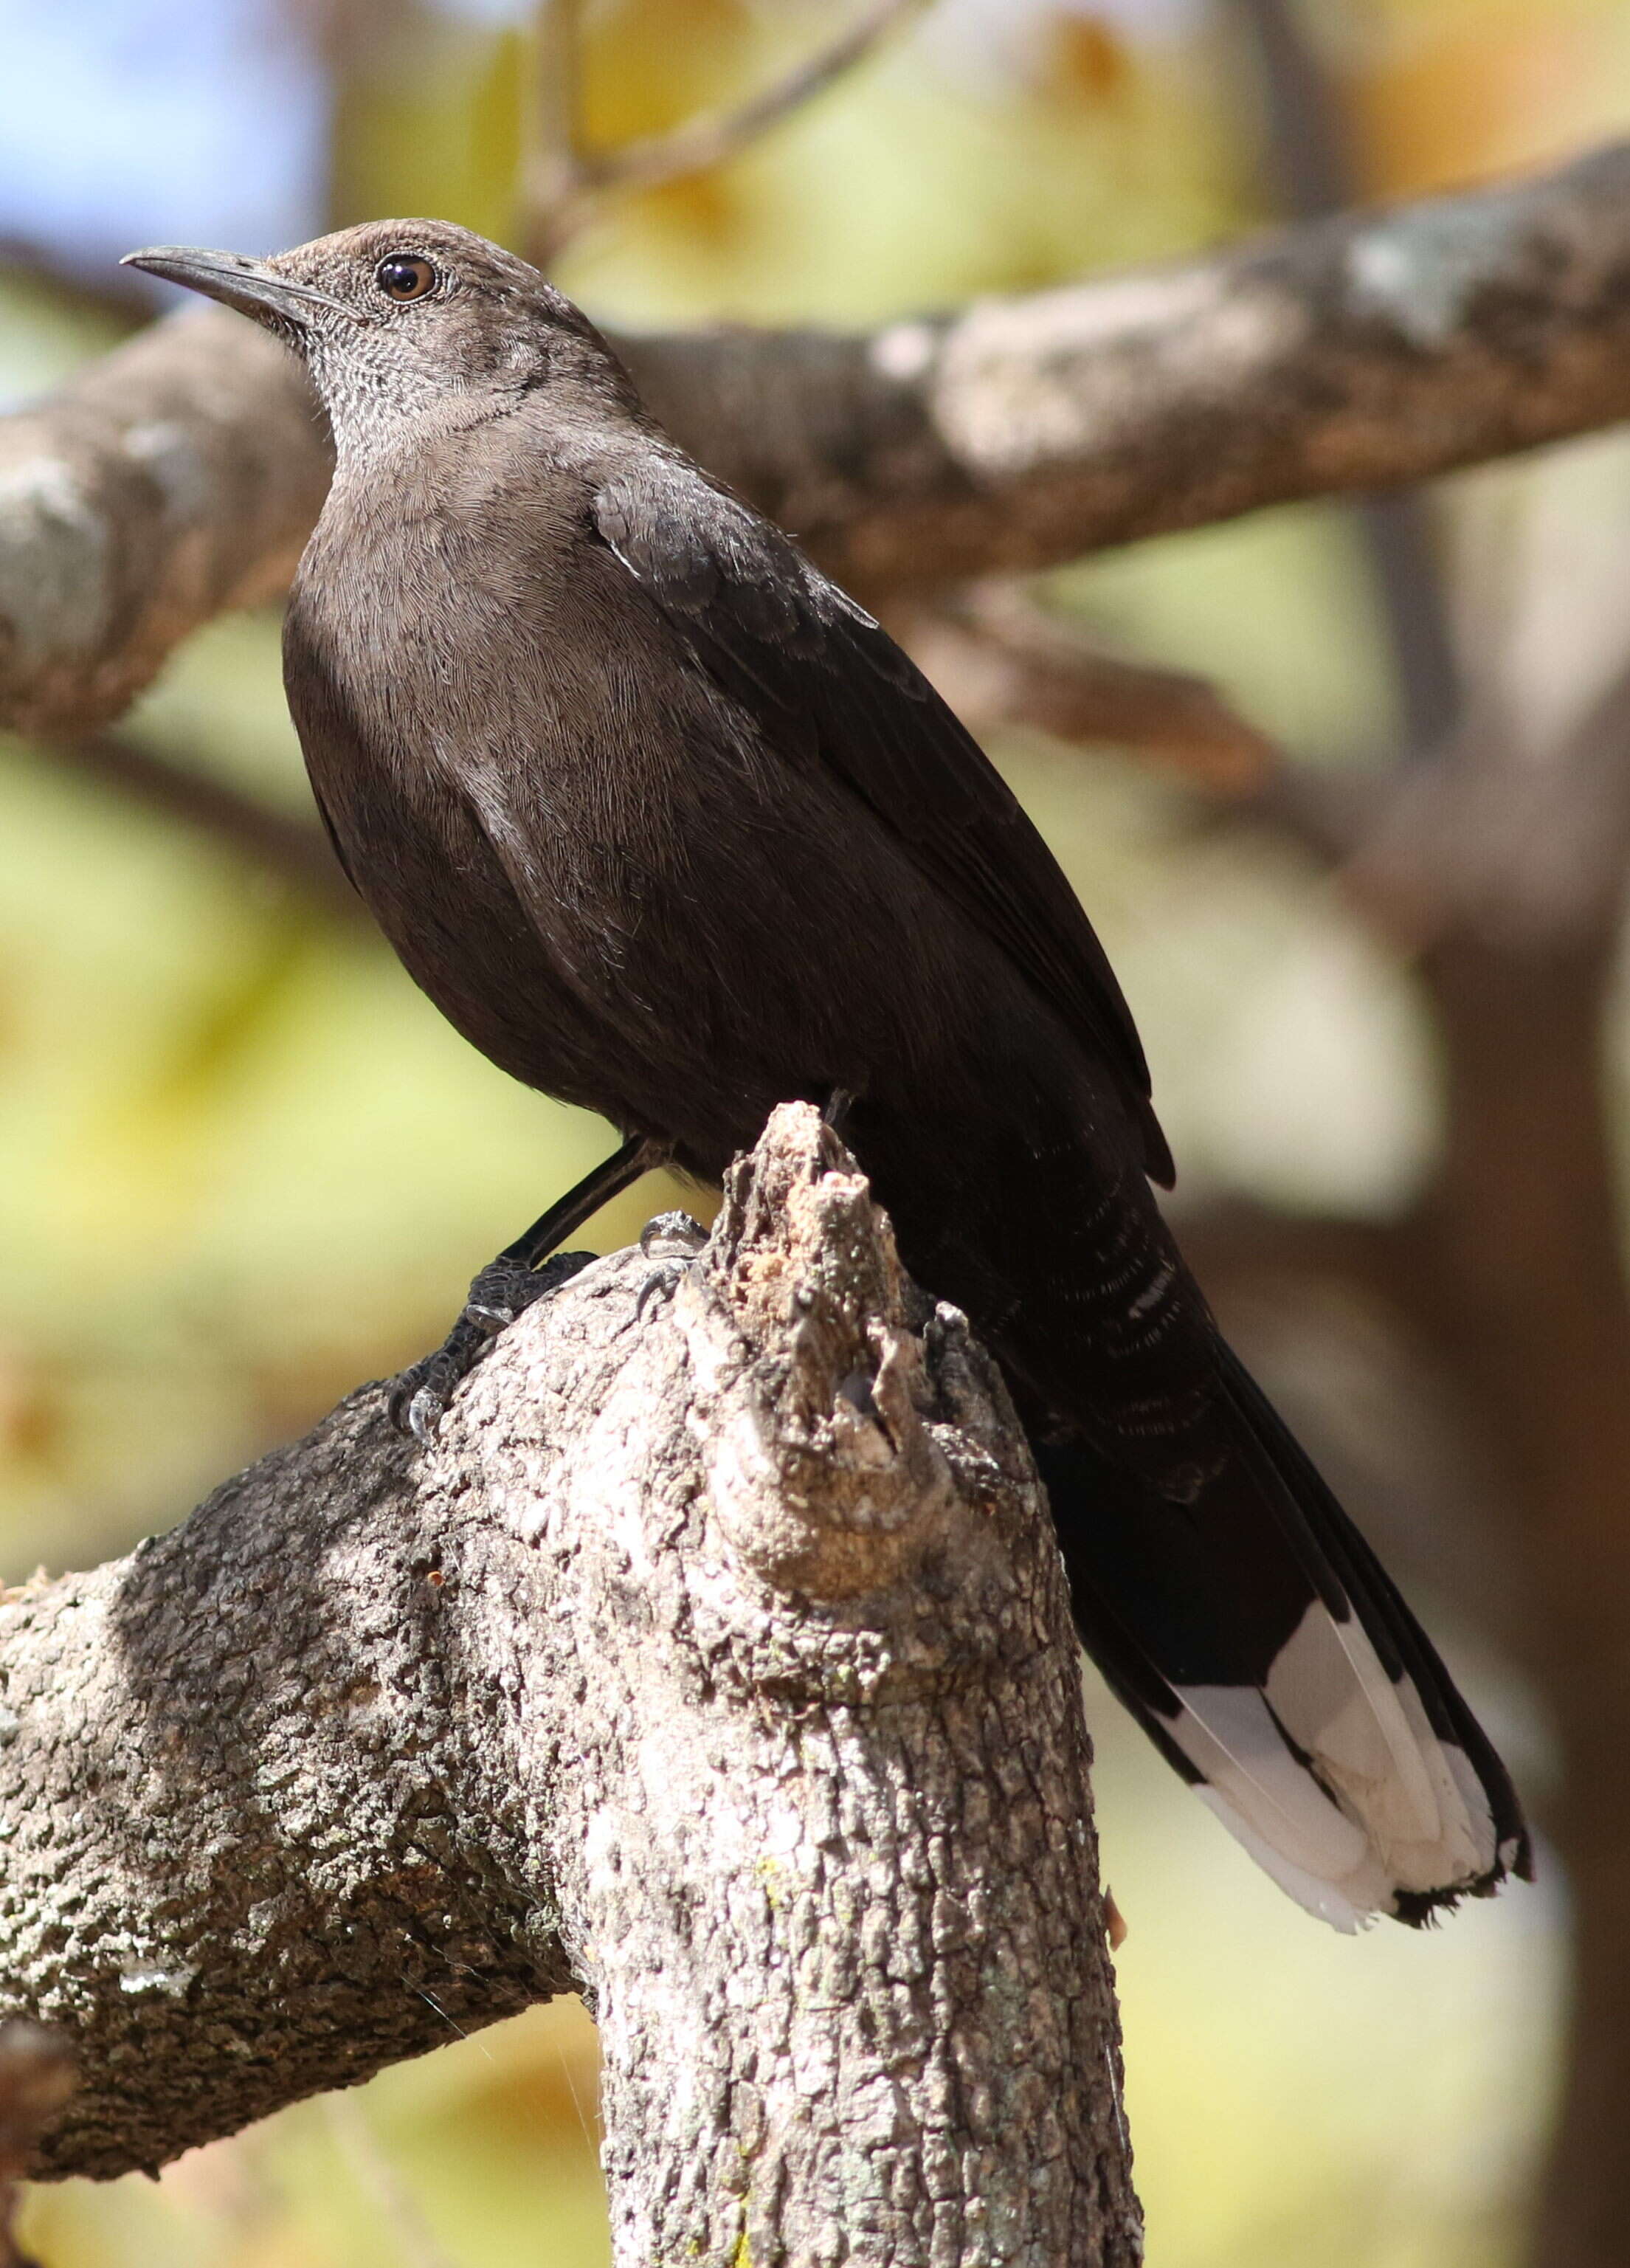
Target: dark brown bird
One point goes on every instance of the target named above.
(669, 828)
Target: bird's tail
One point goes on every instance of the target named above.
(1256, 1637)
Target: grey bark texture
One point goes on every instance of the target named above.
(717, 1663)
(181, 473)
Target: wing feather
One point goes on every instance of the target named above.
(829, 685)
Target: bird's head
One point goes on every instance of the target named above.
(402, 318)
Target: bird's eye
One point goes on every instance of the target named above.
(405, 276)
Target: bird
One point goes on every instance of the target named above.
(669, 828)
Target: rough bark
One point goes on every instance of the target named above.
(179, 474)
(716, 1662)
(173, 478)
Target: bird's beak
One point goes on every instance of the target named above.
(253, 286)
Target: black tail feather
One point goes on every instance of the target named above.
(1384, 1610)
(1259, 1641)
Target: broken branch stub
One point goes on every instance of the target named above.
(715, 1660)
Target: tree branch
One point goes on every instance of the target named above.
(704, 142)
(999, 659)
(552, 161)
(293, 849)
(1309, 155)
(717, 1663)
(176, 477)
(563, 183)
(179, 474)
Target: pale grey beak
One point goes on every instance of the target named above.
(252, 286)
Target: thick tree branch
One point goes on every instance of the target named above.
(179, 474)
(176, 477)
(717, 1663)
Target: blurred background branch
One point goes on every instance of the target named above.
(553, 174)
(292, 850)
(1002, 661)
(563, 182)
(377, 2174)
(1016, 434)
(1310, 166)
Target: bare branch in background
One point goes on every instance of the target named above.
(293, 849)
(1001, 659)
(1229, 1237)
(1307, 143)
(1310, 157)
(1497, 862)
(119, 299)
(563, 182)
(181, 474)
(552, 175)
(1498, 840)
(704, 142)
(375, 2172)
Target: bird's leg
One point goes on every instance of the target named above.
(669, 1243)
(523, 1273)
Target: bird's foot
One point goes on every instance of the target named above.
(503, 1290)
(670, 1243)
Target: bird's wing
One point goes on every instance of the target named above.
(826, 683)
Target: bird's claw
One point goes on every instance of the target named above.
(503, 1290)
(659, 1287)
(420, 1397)
(670, 1242)
(425, 1413)
(672, 1236)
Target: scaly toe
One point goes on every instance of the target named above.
(505, 1289)
(672, 1236)
(659, 1287)
(425, 1413)
(670, 1242)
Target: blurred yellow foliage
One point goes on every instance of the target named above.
(1470, 99)
(1087, 57)
(647, 69)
